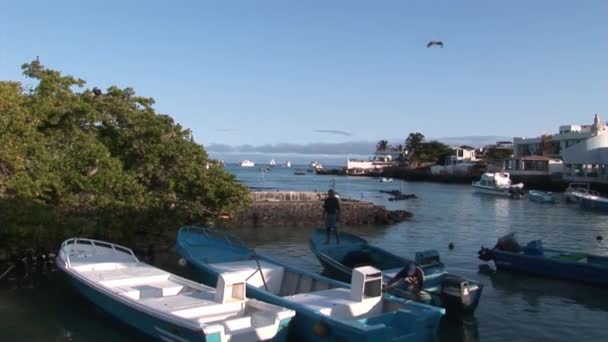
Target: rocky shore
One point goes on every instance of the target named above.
(291, 208)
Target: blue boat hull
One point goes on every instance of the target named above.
(147, 324)
(592, 204)
(433, 275)
(309, 325)
(541, 266)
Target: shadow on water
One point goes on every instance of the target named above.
(48, 309)
(459, 329)
(533, 290)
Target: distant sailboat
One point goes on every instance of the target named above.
(272, 163)
(287, 163)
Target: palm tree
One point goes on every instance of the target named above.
(413, 142)
(382, 145)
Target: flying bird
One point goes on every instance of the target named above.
(435, 42)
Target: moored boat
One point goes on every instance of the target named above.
(498, 184)
(165, 306)
(326, 309)
(457, 294)
(541, 196)
(385, 180)
(534, 259)
(575, 191)
(593, 202)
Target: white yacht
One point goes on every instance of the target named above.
(287, 163)
(247, 163)
(498, 184)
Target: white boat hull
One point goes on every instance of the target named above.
(491, 191)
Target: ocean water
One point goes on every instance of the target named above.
(513, 307)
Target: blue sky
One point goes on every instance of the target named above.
(266, 72)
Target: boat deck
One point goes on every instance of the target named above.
(338, 304)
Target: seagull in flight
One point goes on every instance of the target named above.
(435, 42)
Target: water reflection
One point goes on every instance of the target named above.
(463, 329)
(536, 291)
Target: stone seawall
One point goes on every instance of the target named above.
(288, 208)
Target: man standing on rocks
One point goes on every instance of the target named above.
(331, 215)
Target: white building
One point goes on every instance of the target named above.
(533, 166)
(583, 150)
(460, 162)
(376, 164)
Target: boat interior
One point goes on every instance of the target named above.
(117, 270)
(575, 257)
(361, 301)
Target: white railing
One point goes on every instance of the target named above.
(92, 242)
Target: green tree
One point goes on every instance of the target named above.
(102, 164)
(413, 144)
(432, 152)
(498, 154)
(382, 146)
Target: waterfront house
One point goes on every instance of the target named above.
(583, 150)
(460, 162)
(533, 166)
(374, 165)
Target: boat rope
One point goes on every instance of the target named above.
(257, 261)
(7, 271)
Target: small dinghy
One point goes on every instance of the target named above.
(534, 259)
(326, 310)
(163, 305)
(458, 295)
(541, 196)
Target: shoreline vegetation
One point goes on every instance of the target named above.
(76, 161)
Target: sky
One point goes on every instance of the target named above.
(318, 71)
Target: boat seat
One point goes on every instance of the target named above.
(337, 303)
(180, 302)
(273, 274)
(151, 290)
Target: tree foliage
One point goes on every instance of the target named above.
(382, 146)
(413, 142)
(78, 161)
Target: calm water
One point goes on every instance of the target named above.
(513, 307)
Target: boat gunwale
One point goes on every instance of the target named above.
(561, 261)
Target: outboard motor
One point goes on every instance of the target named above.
(485, 254)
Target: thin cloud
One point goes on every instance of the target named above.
(333, 131)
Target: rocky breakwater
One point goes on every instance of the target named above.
(291, 208)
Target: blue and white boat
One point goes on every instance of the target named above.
(593, 202)
(165, 306)
(326, 310)
(458, 295)
(541, 196)
(536, 260)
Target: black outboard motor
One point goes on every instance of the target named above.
(485, 254)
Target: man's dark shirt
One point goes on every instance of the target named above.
(331, 205)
